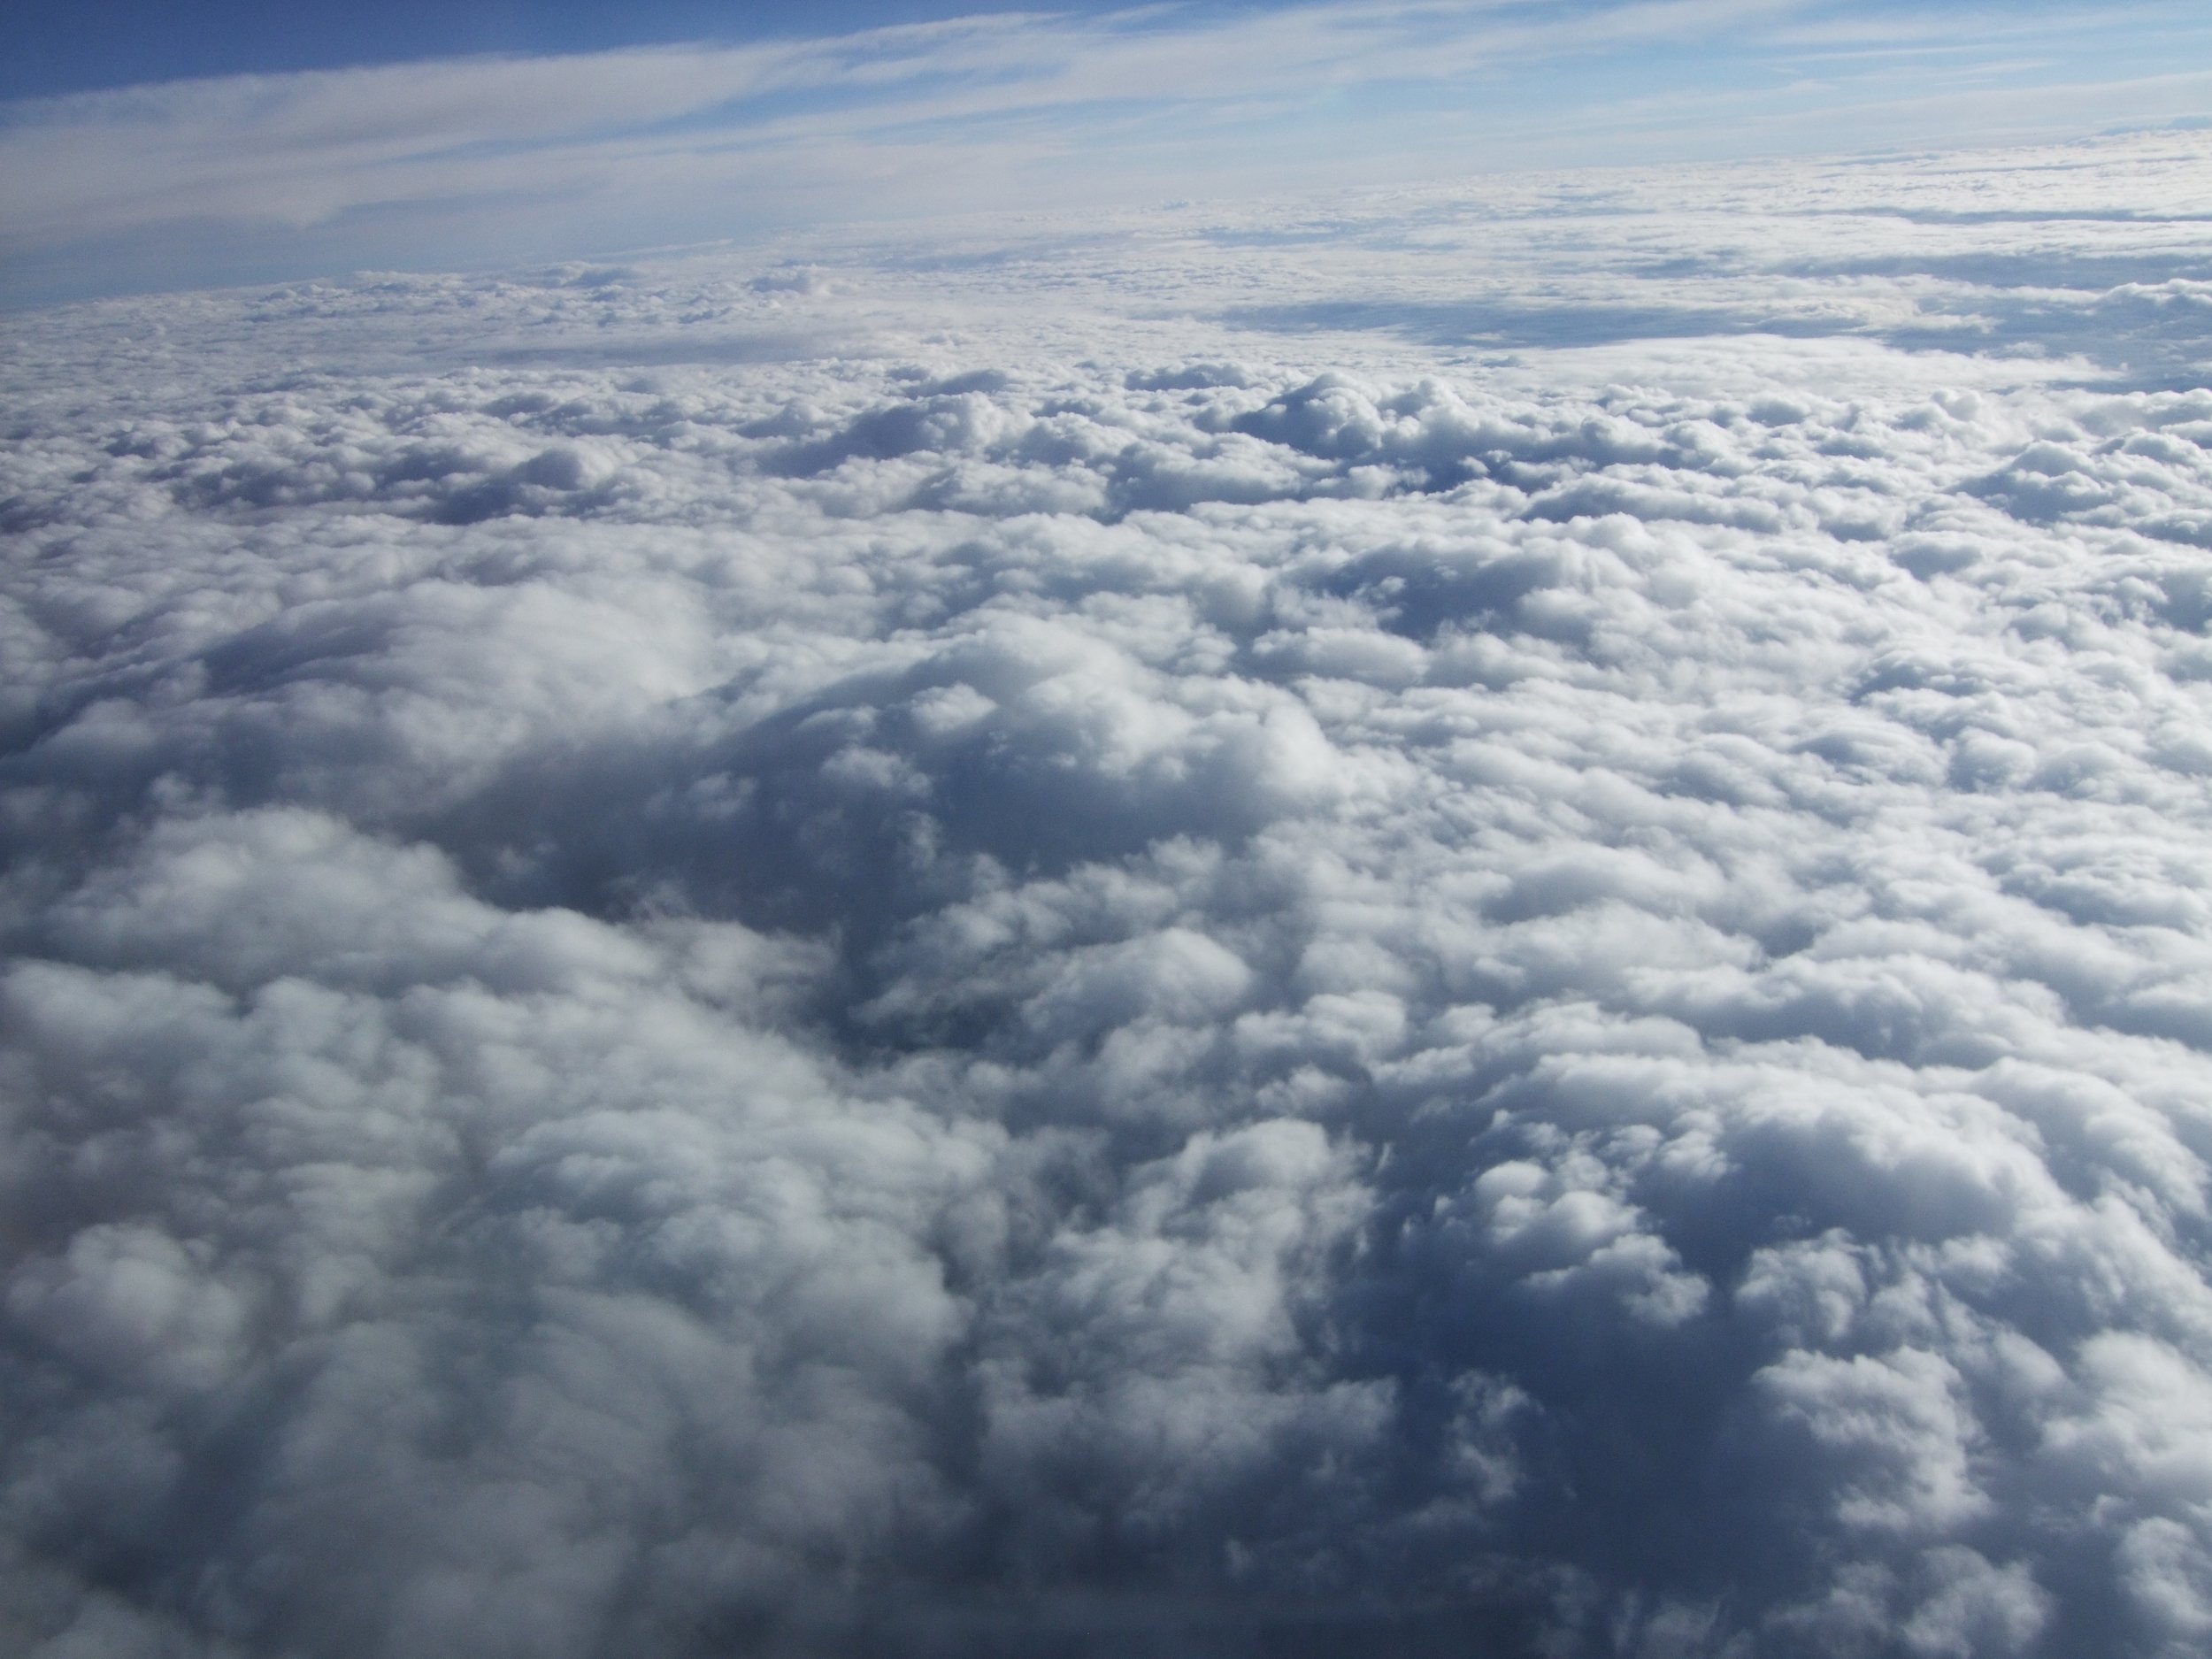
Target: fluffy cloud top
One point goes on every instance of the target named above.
(1466, 929)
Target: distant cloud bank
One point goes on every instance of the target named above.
(1442, 922)
(488, 160)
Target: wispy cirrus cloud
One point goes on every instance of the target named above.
(482, 158)
(335, 134)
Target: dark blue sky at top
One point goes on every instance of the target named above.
(53, 46)
(60, 46)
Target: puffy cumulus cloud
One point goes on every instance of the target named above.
(963, 992)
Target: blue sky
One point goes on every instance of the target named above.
(51, 47)
(148, 147)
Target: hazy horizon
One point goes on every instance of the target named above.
(284, 145)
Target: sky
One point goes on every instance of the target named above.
(75, 49)
(1093, 836)
(157, 147)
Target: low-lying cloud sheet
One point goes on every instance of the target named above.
(1469, 924)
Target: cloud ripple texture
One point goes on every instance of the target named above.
(1473, 926)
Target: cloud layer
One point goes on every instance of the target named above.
(925, 957)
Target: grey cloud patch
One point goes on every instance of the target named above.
(1504, 323)
(996, 996)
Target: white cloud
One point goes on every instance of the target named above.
(1182, 939)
